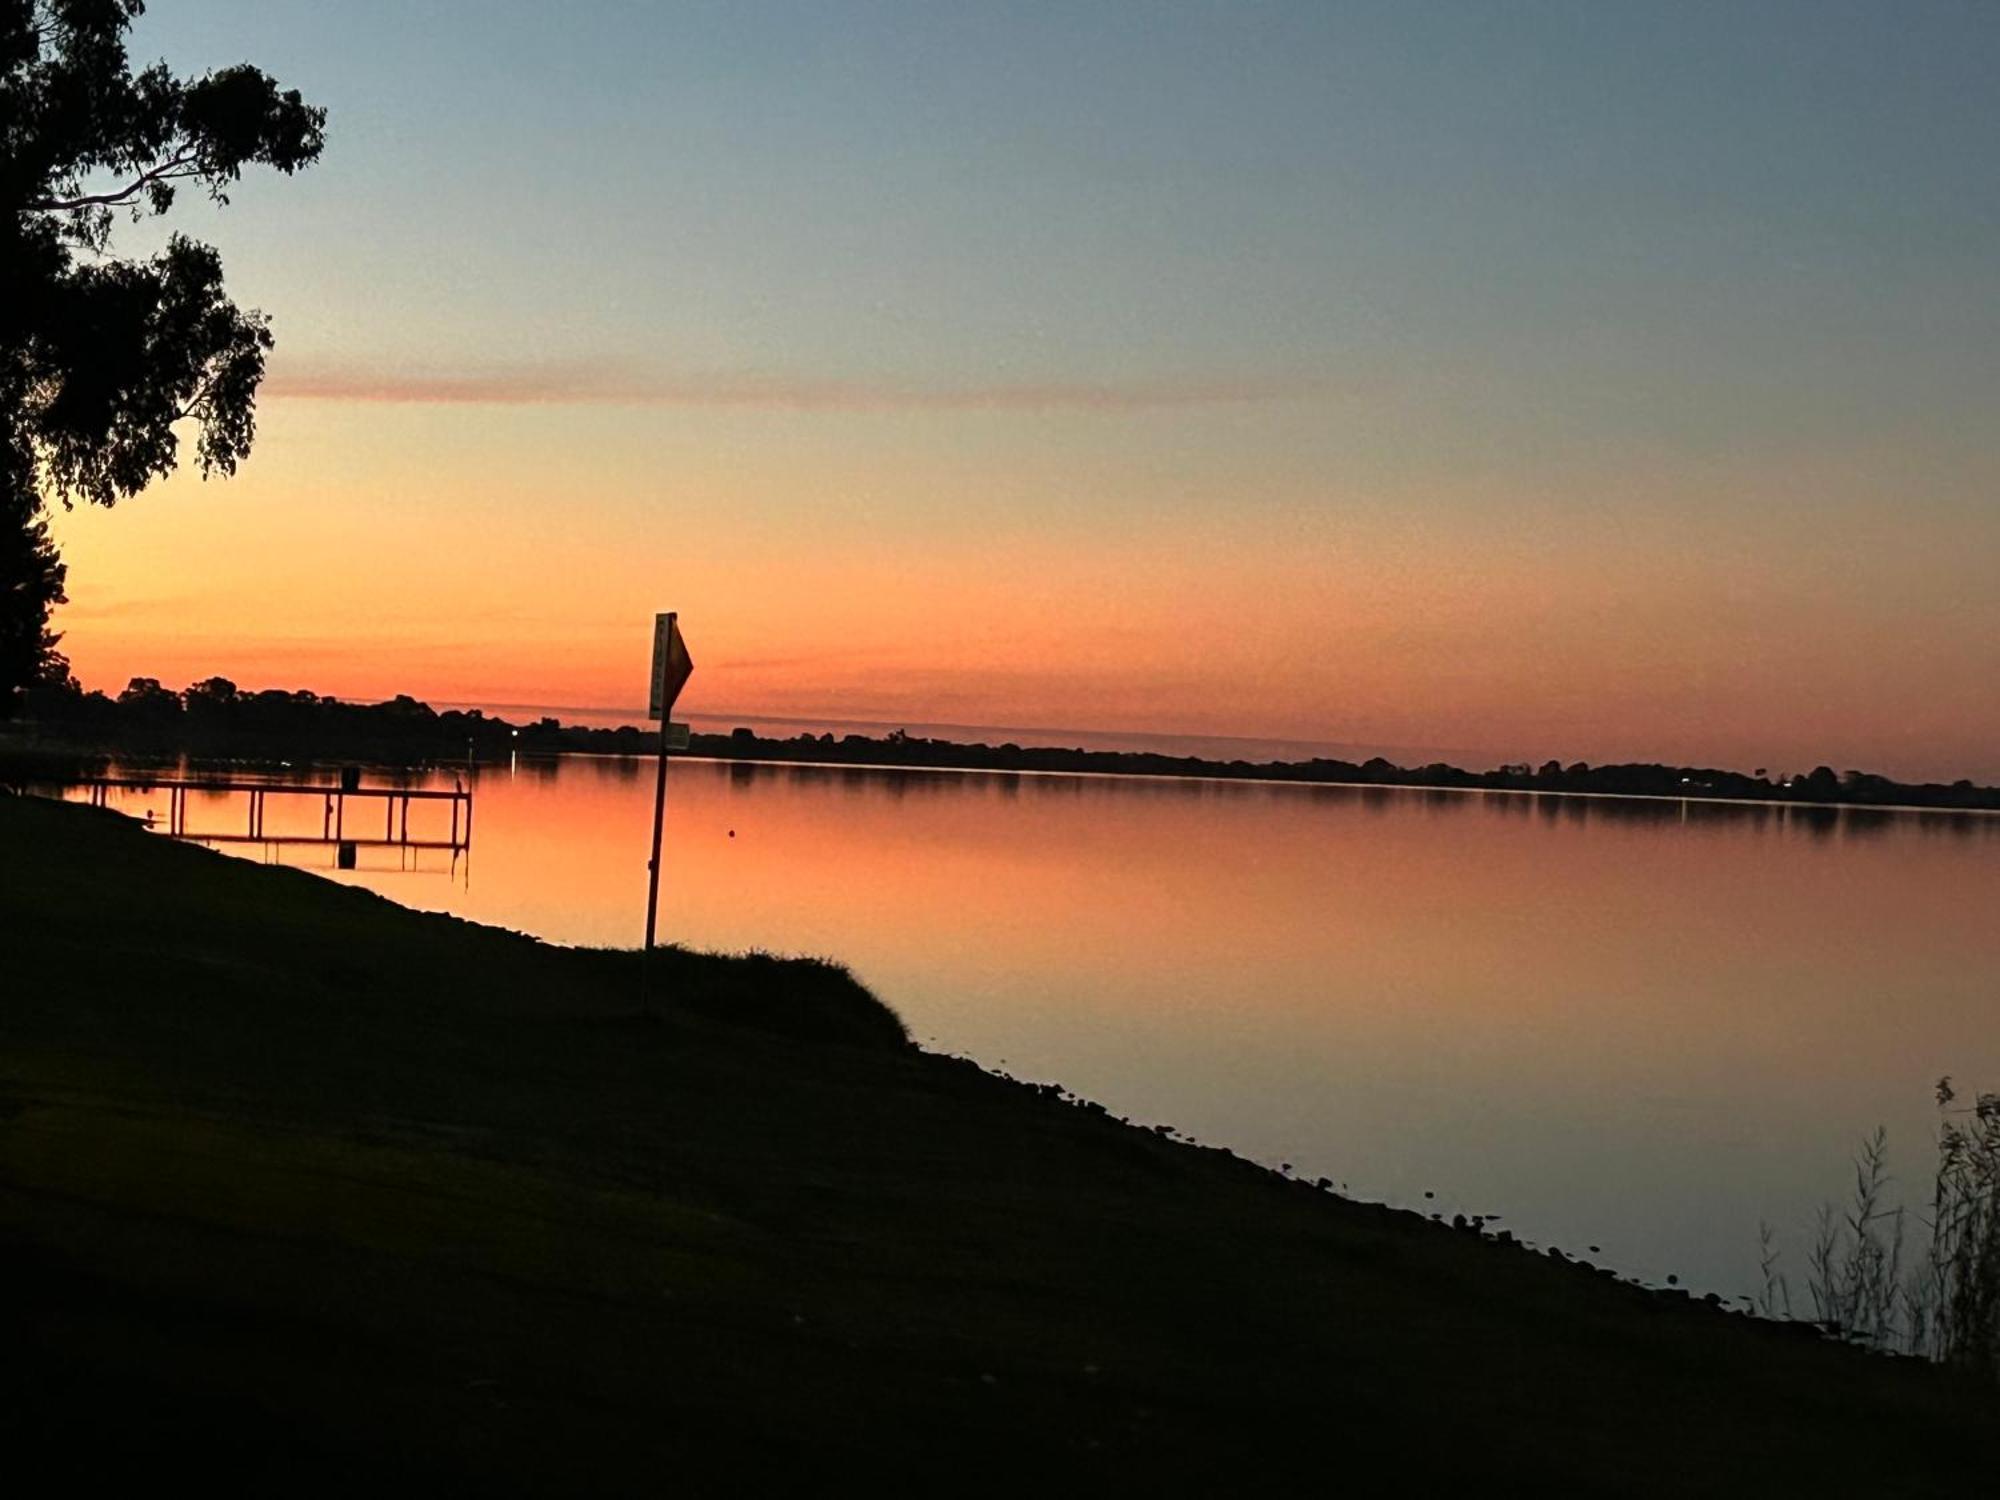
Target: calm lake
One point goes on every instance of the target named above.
(1643, 1026)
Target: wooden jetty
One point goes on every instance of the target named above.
(334, 823)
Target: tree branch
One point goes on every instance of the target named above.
(197, 404)
(167, 171)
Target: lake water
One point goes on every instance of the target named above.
(1644, 1026)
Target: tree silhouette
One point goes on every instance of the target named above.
(102, 357)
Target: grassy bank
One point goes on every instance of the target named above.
(297, 1184)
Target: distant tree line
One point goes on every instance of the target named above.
(215, 717)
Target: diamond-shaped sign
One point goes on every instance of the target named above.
(672, 666)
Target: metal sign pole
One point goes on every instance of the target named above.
(659, 824)
(671, 666)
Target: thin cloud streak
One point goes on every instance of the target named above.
(569, 386)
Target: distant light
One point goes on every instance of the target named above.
(517, 734)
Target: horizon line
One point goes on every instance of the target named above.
(1467, 756)
(639, 717)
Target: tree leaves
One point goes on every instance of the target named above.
(130, 348)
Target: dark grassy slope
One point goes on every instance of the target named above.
(293, 1181)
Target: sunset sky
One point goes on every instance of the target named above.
(1586, 380)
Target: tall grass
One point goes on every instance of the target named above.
(1857, 1283)
(1960, 1321)
(1943, 1304)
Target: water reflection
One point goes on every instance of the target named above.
(1640, 1024)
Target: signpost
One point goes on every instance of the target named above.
(671, 668)
(671, 665)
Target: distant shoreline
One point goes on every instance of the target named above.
(1704, 798)
(214, 719)
(1215, 747)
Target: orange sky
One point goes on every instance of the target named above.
(514, 553)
